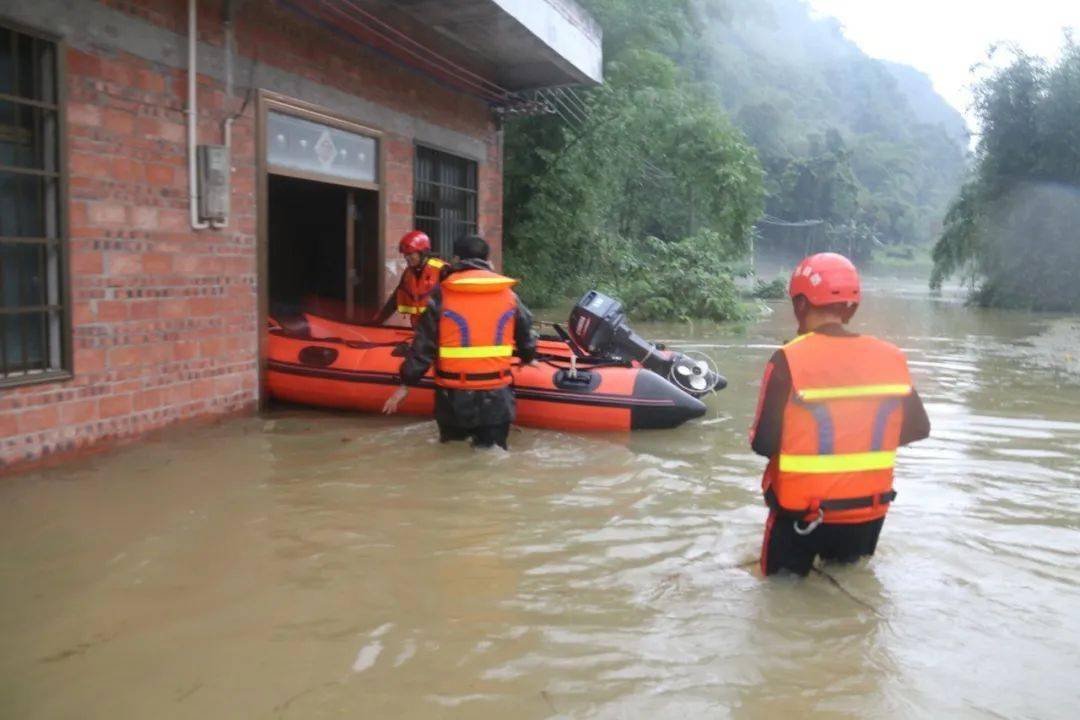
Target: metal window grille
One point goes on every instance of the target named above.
(33, 324)
(445, 198)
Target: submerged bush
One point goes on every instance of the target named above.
(682, 280)
(775, 289)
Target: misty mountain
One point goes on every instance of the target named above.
(929, 107)
(813, 102)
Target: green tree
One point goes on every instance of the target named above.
(643, 160)
(1012, 230)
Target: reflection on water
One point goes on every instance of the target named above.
(310, 565)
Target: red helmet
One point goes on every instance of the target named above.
(824, 279)
(414, 241)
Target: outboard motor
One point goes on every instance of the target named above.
(598, 327)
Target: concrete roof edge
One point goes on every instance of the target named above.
(580, 49)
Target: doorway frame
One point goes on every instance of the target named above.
(266, 102)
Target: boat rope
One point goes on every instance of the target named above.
(850, 595)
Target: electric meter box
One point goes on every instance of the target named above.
(213, 176)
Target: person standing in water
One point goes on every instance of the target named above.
(473, 325)
(420, 276)
(834, 407)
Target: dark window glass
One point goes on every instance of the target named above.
(444, 197)
(27, 136)
(32, 310)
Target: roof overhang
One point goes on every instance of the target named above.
(489, 48)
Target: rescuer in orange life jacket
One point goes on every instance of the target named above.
(834, 407)
(418, 279)
(473, 325)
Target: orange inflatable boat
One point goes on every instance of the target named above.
(317, 361)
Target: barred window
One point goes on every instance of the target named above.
(445, 197)
(33, 326)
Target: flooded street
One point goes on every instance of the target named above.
(311, 565)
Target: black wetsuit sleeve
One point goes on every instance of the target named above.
(421, 353)
(916, 425)
(769, 424)
(524, 337)
(390, 307)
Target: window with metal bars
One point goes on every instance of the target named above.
(445, 197)
(34, 343)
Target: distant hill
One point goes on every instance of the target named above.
(929, 107)
(805, 93)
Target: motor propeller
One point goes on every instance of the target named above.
(695, 373)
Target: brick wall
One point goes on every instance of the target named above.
(165, 319)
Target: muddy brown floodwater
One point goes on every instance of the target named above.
(310, 565)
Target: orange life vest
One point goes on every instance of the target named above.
(841, 428)
(476, 331)
(414, 288)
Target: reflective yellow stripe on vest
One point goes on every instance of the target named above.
(854, 462)
(479, 351)
(798, 339)
(854, 391)
(410, 309)
(479, 281)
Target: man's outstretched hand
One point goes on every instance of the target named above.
(394, 401)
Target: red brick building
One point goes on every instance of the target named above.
(131, 298)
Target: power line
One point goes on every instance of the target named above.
(355, 28)
(570, 109)
(770, 220)
(565, 119)
(482, 80)
(569, 92)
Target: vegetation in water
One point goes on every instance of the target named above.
(1012, 229)
(775, 289)
(664, 280)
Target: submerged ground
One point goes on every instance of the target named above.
(306, 565)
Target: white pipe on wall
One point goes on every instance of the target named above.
(226, 126)
(193, 119)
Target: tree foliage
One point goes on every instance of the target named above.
(596, 197)
(713, 111)
(1012, 229)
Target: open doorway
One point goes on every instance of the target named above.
(323, 247)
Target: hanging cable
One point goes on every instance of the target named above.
(570, 110)
(770, 220)
(479, 87)
(577, 98)
(446, 61)
(344, 23)
(573, 102)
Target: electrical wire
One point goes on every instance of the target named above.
(478, 87)
(577, 98)
(486, 89)
(581, 121)
(483, 81)
(770, 220)
(575, 101)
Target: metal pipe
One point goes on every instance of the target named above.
(193, 119)
(226, 124)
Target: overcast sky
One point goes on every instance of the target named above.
(944, 38)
